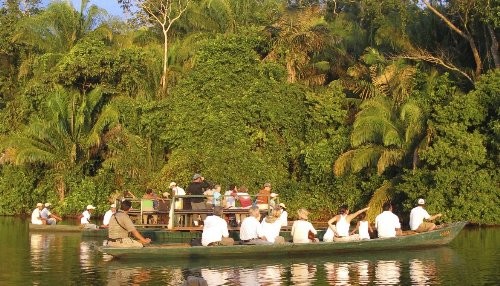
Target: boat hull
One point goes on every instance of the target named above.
(434, 238)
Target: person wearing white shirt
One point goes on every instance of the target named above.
(108, 214)
(301, 228)
(215, 230)
(283, 215)
(271, 226)
(36, 217)
(387, 223)
(48, 216)
(85, 218)
(417, 216)
(251, 229)
(177, 191)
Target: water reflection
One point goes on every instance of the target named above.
(40, 245)
(303, 274)
(387, 273)
(270, 275)
(422, 273)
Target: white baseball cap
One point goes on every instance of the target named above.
(47, 205)
(421, 202)
(282, 205)
(90, 207)
(172, 184)
(113, 206)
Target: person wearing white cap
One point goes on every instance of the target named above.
(417, 216)
(48, 215)
(85, 218)
(36, 217)
(107, 215)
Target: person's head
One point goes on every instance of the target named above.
(362, 216)
(217, 188)
(421, 202)
(232, 187)
(90, 208)
(113, 207)
(39, 205)
(48, 205)
(149, 191)
(276, 212)
(125, 205)
(267, 186)
(254, 211)
(172, 185)
(243, 189)
(197, 178)
(387, 206)
(282, 206)
(303, 214)
(343, 210)
(218, 210)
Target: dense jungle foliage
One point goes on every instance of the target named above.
(334, 102)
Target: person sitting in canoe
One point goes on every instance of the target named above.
(107, 216)
(387, 223)
(338, 226)
(215, 230)
(36, 217)
(120, 225)
(283, 215)
(271, 226)
(49, 217)
(301, 229)
(417, 216)
(251, 229)
(85, 217)
(363, 227)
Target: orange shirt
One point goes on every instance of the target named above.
(263, 196)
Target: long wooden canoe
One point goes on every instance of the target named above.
(55, 228)
(438, 237)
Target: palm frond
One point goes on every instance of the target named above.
(389, 157)
(379, 197)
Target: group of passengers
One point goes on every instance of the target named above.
(42, 215)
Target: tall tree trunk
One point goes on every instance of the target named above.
(466, 35)
(494, 47)
(165, 60)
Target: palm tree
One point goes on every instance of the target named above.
(295, 37)
(384, 134)
(69, 136)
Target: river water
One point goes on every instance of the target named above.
(473, 258)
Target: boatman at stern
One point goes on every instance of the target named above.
(120, 225)
(417, 216)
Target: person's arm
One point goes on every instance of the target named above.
(435, 217)
(141, 238)
(56, 217)
(351, 216)
(330, 224)
(370, 229)
(355, 229)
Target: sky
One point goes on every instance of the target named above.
(109, 5)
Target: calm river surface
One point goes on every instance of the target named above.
(67, 259)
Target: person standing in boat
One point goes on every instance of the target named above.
(107, 215)
(177, 191)
(263, 197)
(196, 188)
(387, 223)
(36, 217)
(120, 225)
(338, 226)
(85, 218)
(251, 229)
(215, 230)
(417, 216)
(301, 228)
(49, 217)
